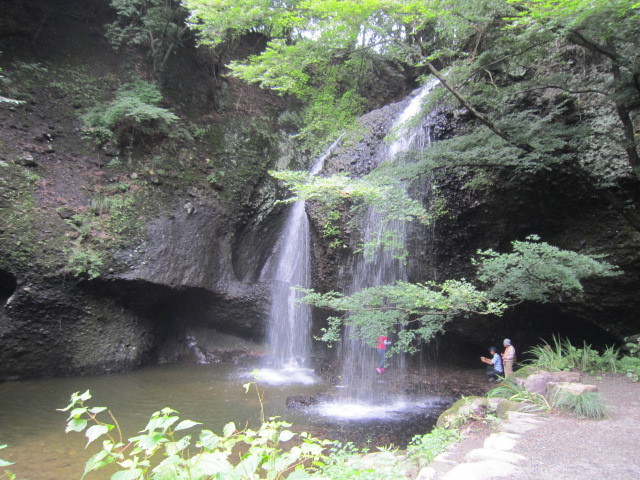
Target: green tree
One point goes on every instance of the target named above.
(498, 56)
(156, 25)
(325, 53)
(534, 271)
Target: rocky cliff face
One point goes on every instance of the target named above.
(114, 255)
(563, 209)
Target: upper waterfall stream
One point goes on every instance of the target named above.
(365, 392)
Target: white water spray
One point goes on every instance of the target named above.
(289, 330)
(362, 384)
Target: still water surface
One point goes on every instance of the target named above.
(211, 394)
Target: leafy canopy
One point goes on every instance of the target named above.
(533, 271)
(323, 52)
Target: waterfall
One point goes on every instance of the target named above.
(360, 380)
(289, 328)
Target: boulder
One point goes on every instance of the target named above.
(558, 388)
(536, 383)
(574, 377)
(299, 401)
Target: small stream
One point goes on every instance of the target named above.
(213, 395)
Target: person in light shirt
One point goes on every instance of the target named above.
(508, 357)
(495, 369)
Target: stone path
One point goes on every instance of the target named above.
(493, 459)
(557, 447)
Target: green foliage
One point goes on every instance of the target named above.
(522, 62)
(133, 113)
(5, 464)
(323, 52)
(630, 364)
(425, 448)
(342, 463)
(85, 262)
(155, 25)
(633, 345)
(331, 230)
(162, 451)
(537, 271)
(533, 402)
(100, 205)
(418, 311)
(385, 194)
(562, 355)
(588, 404)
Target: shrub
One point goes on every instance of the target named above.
(429, 446)
(630, 366)
(588, 404)
(84, 262)
(562, 355)
(133, 114)
(160, 450)
(531, 401)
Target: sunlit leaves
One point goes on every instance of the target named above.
(4, 463)
(537, 271)
(383, 193)
(533, 271)
(256, 453)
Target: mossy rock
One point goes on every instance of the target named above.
(524, 372)
(506, 406)
(461, 411)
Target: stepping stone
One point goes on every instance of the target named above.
(501, 441)
(572, 388)
(427, 473)
(480, 454)
(484, 470)
(524, 416)
(517, 426)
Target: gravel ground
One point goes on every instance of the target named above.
(565, 447)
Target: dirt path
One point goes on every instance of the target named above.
(565, 447)
(554, 447)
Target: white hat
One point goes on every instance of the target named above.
(507, 341)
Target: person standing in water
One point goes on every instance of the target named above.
(508, 357)
(383, 342)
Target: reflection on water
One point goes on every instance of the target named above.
(211, 394)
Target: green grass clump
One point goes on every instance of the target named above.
(531, 401)
(588, 404)
(561, 355)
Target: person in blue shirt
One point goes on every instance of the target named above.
(494, 370)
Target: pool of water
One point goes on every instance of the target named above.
(211, 394)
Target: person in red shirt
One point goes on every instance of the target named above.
(383, 342)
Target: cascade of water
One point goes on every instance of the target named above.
(359, 376)
(289, 329)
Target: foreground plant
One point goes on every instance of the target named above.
(160, 452)
(3, 464)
